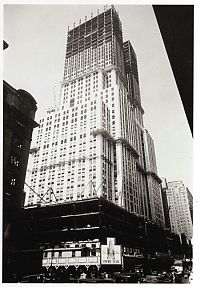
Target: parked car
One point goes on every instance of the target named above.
(178, 277)
(35, 278)
(165, 278)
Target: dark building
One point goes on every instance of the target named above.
(176, 24)
(5, 45)
(19, 109)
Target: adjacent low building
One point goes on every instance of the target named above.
(180, 205)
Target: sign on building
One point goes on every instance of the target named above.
(111, 253)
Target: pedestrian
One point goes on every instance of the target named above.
(173, 277)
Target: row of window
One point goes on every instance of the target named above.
(85, 252)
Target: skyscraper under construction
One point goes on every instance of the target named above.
(93, 144)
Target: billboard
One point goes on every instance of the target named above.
(111, 254)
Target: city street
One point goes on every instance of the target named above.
(123, 277)
(154, 279)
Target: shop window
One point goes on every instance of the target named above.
(85, 252)
(93, 252)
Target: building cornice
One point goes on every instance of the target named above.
(104, 133)
(155, 176)
(135, 103)
(129, 146)
(141, 169)
(14, 111)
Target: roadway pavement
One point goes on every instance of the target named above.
(154, 279)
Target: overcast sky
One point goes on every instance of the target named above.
(34, 61)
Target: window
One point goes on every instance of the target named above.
(72, 102)
(18, 143)
(19, 123)
(13, 182)
(14, 161)
(85, 252)
(93, 252)
(73, 253)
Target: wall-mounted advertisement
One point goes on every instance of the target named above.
(111, 254)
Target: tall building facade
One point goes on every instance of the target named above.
(164, 188)
(180, 208)
(155, 200)
(92, 143)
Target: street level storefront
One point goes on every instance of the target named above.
(83, 259)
